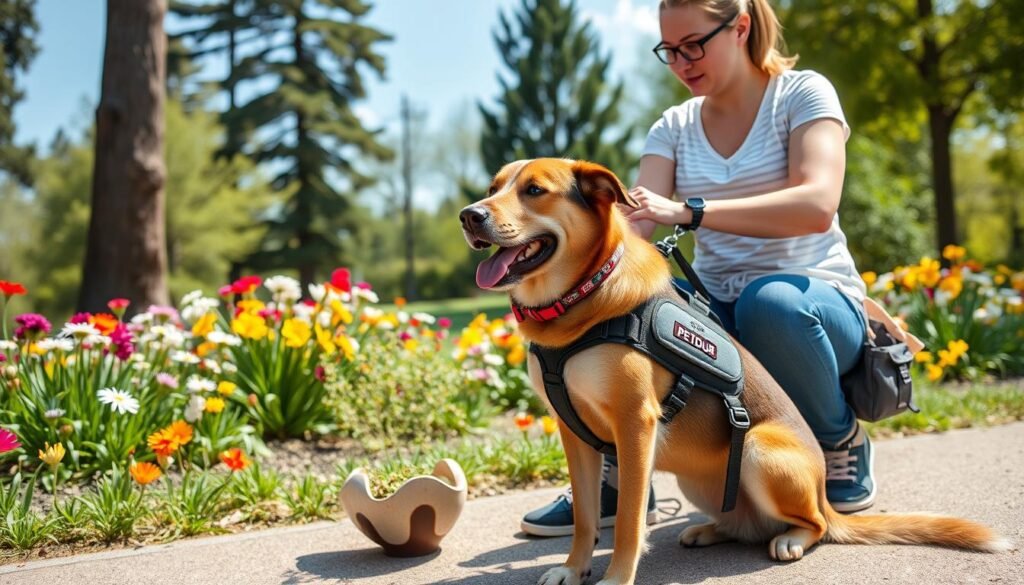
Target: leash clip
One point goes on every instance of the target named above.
(669, 242)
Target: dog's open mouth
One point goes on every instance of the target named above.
(514, 261)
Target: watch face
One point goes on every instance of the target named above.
(695, 203)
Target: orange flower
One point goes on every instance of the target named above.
(400, 302)
(234, 459)
(181, 431)
(105, 322)
(163, 443)
(145, 473)
(524, 421)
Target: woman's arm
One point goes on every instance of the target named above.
(657, 175)
(817, 163)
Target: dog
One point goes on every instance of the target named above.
(556, 223)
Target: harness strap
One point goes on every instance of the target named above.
(558, 394)
(739, 419)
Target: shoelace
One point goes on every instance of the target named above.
(605, 469)
(840, 465)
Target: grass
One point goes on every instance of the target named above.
(953, 406)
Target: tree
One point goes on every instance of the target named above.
(18, 28)
(312, 61)
(914, 63)
(555, 100)
(126, 253)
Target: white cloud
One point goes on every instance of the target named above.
(627, 17)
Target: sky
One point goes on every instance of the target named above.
(443, 57)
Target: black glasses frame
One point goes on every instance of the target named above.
(673, 53)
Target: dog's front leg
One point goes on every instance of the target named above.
(585, 478)
(635, 442)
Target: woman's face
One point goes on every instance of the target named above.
(722, 52)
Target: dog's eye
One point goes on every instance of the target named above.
(492, 190)
(534, 190)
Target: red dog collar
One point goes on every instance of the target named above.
(562, 305)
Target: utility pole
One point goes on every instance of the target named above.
(410, 244)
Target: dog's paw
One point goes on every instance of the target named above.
(563, 575)
(785, 547)
(700, 535)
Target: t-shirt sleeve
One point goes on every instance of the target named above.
(813, 97)
(663, 137)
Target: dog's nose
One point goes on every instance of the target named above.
(473, 216)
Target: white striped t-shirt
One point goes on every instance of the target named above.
(727, 263)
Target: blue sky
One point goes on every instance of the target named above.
(443, 57)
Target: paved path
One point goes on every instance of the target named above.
(977, 474)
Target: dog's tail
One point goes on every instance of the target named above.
(912, 529)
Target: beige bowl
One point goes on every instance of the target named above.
(412, 521)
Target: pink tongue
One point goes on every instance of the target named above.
(490, 271)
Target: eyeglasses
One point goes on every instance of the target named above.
(691, 51)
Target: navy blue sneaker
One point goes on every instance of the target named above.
(849, 485)
(555, 519)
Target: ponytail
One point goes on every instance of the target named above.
(764, 44)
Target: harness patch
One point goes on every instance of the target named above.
(695, 339)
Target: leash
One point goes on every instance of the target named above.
(669, 246)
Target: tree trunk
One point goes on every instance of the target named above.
(126, 250)
(940, 125)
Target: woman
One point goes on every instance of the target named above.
(756, 159)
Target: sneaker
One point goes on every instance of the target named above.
(849, 485)
(555, 519)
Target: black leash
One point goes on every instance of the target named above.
(670, 246)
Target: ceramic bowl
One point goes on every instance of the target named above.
(412, 521)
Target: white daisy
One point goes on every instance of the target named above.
(184, 357)
(54, 344)
(119, 400)
(211, 365)
(365, 294)
(493, 360)
(79, 330)
(303, 312)
(285, 290)
(197, 384)
(198, 308)
(54, 413)
(229, 368)
(317, 292)
(221, 338)
(6, 345)
(424, 318)
(191, 297)
(194, 409)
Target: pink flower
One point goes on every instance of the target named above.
(118, 306)
(8, 441)
(320, 373)
(168, 380)
(364, 285)
(80, 318)
(444, 322)
(226, 291)
(32, 326)
(122, 340)
(163, 313)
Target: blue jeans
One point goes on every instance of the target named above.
(806, 334)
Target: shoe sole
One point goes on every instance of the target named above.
(607, 522)
(857, 506)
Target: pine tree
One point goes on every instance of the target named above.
(311, 55)
(18, 29)
(556, 100)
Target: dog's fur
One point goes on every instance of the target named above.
(617, 392)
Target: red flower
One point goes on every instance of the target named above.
(234, 459)
(9, 289)
(118, 304)
(246, 284)
(341, 279)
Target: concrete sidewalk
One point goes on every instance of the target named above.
(977, 474)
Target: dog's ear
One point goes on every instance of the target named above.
(595, 182)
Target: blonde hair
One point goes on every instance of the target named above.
(764, 44)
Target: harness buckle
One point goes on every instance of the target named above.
(738, 416)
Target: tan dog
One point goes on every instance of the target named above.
(556, 224)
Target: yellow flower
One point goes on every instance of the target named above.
(347, 346)
(203, 349)
(959, 347)
(340, 313)
(906, 277)
(934, 372)
(250, 306)
(517, 355)
(869, 278)
(411, 344)
(226, 388)
(479, 322)
(204, 325)
(296, 332)
(52, 455)
(1017, 281)
(549, 425)
(952, 284)
(954, 253)
(250, 326)
(923, 357)
(214, 404)
(930, 272)
(946, 358)
(323, 337)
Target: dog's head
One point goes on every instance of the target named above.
(551, 219)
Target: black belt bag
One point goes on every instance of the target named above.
(880, 385)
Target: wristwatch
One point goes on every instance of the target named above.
(696, 205)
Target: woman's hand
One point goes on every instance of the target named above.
(654, 207)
